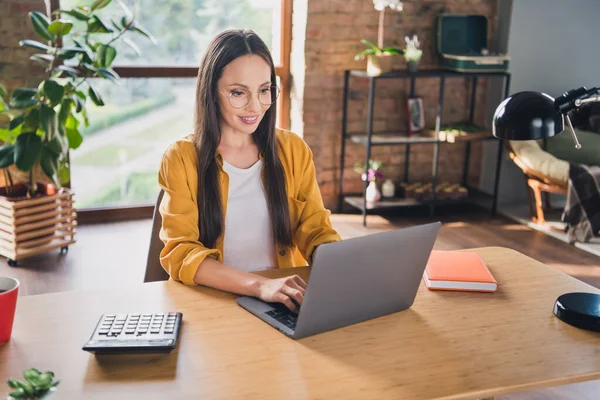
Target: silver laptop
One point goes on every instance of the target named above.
(355, 280)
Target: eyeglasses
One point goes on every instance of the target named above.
(240, 98)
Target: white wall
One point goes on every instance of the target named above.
(554, 46)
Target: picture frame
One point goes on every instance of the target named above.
(415, 114)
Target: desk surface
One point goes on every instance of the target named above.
(449, 345)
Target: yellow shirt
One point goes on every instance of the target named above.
(178, 177)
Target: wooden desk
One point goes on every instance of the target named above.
(449, 345)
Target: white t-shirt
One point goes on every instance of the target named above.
(248, 243)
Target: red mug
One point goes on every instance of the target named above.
(9, 289)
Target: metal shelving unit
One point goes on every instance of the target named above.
(370, 139)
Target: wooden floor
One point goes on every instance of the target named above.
(114, 255)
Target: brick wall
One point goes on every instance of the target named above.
(16, 70)
(333, 29)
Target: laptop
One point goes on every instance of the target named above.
(355, 280)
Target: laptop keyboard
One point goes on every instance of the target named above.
(282, 314)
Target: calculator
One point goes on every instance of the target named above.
(135, 333)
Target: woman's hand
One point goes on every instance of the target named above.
(283, 290)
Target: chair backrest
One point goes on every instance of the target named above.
(155, 271)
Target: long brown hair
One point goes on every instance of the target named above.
(226, 47)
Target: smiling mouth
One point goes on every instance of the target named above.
(249, 120)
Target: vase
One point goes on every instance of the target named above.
(412, 66)
(378, 64)
(388, 189)
(373, 193)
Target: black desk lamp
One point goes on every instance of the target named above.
(532, 116)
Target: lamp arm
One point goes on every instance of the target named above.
(593, 99)
(577, 144)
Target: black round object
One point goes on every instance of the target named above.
(579, 309)
(527, 116)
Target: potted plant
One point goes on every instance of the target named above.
(371, 175)
(37, 385)
(379, 58)
(412, 53)
(38, 126)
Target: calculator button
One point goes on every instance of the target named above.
(135, 315)
(129, 331)
(143, 330)
(103, 332)
(110, 316)
(169, 330)
(155, 331)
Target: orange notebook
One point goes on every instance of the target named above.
(458, 270)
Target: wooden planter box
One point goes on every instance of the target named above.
(33, 226)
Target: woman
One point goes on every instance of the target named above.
(240, 195)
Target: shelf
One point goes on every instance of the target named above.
(476, 197)
(427, 136)
(424, 73)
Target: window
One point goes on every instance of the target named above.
(153, 104)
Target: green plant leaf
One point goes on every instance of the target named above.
(16, 122)
(68, 70)
(31, 374)
(48, 163)
(40, 24)
(28, 148)
(128, 14)
(95, 96)
(89, 68)
(96, 25)
(18, 394)
(53, 91)
(64, 176)
(49, 122)
(67, 53)
(105, 55)
(142, 31)
(7, 158)
(3, 91)
(134, 46)
(74, 137)
(65, 110)
(363, 53)
(85, 47)
(44, 59)
(60, 27)
(32, 120)
(55, 146)
(98, 4)
(372, 45)
(86, 121)
(34, 44)
(23, 98)
(108, 73)
(73, 13)
(392, 50)
(78, 103)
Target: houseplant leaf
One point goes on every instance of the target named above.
(95, 96)
(108, 73)
(98, 4)
(376, 49)
(49, 166)
(65, 110)
(53, 91)
(74, 137)
(40, 24)
(16, 122)
(134, 46)
(32, 120)
(44, 59)
(28, 148)
(105, 55)
(3, 91)
(60, 27)
(34, 44)
(49, 122)
(23, 98)
(142, 31)
(7, 156)
(96, 25)
(68, 70)
(74, 13)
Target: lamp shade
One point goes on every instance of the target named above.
(527, 116)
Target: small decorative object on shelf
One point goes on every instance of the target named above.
(372, 194)
(416, 117)
(379, 58)
(388, 190)
(443, 191)
(412, 53)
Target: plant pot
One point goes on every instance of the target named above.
(379, 64)
(412, 66)
(41, 223)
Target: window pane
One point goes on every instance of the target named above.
(118, 161)
(184, 28)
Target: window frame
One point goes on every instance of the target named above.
(282, 70)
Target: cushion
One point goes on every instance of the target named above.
(562, 146)
(540, 163)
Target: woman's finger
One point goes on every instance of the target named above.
(296, 286)
(285, 300)
(299, 281)
(293, 293)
